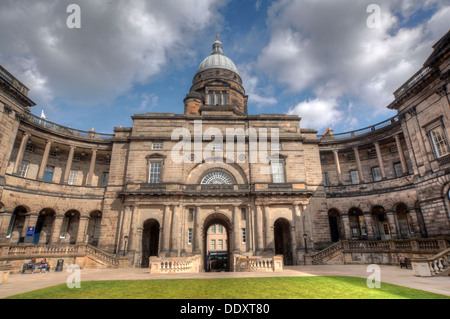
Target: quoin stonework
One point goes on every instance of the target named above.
(375, 195)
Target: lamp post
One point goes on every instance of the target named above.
(125, 245)
(306, 246)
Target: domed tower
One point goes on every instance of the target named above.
(216, 87)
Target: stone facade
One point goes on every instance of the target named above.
(128, 195)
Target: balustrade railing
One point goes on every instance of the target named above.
(439, 263)
(417, 245)
(60, 251)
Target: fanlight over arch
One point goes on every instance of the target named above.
(218, 178)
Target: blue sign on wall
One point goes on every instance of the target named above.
(30, 231)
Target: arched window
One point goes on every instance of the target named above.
(217, 178)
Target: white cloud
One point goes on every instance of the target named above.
(120, 43)
(328, 49)
(317, 113)
(256, 94)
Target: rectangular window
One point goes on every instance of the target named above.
(155, 173)
(372, 153)
(105, 178)
(224, 98)
(213, 229)
(220, 244)
(355, 177)
(439, 141)
(29, 147)
(213, 244)
(48, 174)
(351, 158)
(189, 236)
(398, 169)
(244, 235)
(73, 177)
(220, 229)
(325, 179)
(376, 174)
(23, 169)
(157, 146)
(277, 172)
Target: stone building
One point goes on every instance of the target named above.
(155, 188)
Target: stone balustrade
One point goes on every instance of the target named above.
(433, 266)
(393, 248)
(258, 264)
(159, 265)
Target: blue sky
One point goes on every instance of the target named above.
(319, 60)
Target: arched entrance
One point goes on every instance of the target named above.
(216, 257)
(404, 221)
(356, 223)
(150, 241)
(381, 222)
(44, 226)
(283, 240)
(16, 224)
(69, 229)
(334, 220)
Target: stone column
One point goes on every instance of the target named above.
(358, 164)
(392, 224)
(268, 230)
(57, 224)
(69, 164)
(338, 167)
(236, 230)
(380, 160)
(298, 222)
(82, 230)
(346, 225)
(181, 230)
(91, 168)
(44, 160)
(196, 232)
(401, 155)
(251, 231)
(259, 230)
(167, 226)
(19, 157)
(369, 225)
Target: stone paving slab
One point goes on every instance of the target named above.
(19, 283)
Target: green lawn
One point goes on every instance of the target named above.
(240, 288)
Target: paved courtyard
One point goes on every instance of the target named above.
(19, 283)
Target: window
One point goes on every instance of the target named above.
(351, 158)
(376, 174)
(325, 179)
(213, 244)
(73, 177)
(372, 153)
(220, 229)
(393, 149)
(23, 169)
(189, 236)
(277, 172)
(439, 141)
(217, 98)
(48, 174)
(244, 235)
(217, 178)
(191, 215)
(53, 153)
(220, 244)
(105, 178)
(398, 169)
(157, 146)
(10, 226)
(155, 173)
(29, 147)
(355, 177)
(213, 229)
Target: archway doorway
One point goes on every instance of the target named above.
(44, 226)
(382, 223)
(217, 243)
(334, 220)
(404, 221)
(283, 240)
(93, 230)
(150, 241)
